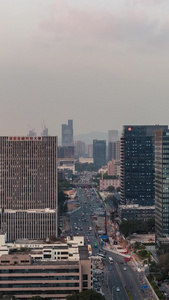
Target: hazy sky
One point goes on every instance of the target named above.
(102, 63)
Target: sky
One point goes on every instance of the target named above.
(102, 63)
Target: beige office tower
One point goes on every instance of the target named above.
(28, 187)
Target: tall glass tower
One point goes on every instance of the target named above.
(162, 183)
(137, 164)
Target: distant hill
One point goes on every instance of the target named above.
(89, 137)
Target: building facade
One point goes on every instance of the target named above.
(67, 134)
(99, 153)
(113, 168)
(137, 177)
(113, 143)
(114, 150)
(51, 271)
(105, 183)
(28, 186)
(135, 212)
(162, 183)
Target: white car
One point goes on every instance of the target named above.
(117, 289)
(124, 269)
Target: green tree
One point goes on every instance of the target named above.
(9, 297)
(128, 227)
(118, 190)
(86, 295)
(111, 189)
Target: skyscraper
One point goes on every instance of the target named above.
(162, 183)
(137, 164)
(99, 153)
(67, 134)
(28, 186)
(113, 145)
(114, 150)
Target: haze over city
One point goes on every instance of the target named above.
(101, 63)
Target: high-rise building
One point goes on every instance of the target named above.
(89, 150)
(137, 178)
(114, 150)
(66, 152)
(80, 148)
(67, 134)
(99, 153)
(113, 145)
(113, 136)
(162, 183)
(28, 186)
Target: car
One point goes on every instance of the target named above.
(125, 269)
(117, 289)
(110, 259)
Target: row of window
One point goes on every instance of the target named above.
(25, 271)
(40, 285)
(37, 278)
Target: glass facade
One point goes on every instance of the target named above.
(162, 183)
(99, 153)
(137, 165)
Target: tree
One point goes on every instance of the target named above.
(164, 263)
(128, 227)
(118, 189)
(9, 297)
(86, 295)
(111, 189)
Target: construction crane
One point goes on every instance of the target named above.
(115, 238)
(105, 222)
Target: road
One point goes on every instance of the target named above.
(114, 274)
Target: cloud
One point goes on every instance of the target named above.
(134, 25)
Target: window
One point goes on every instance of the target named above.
(85, 284)
(85, 277)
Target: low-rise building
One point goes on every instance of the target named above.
(135, 212)
(113, 168)
(105, 183)
(51, 270)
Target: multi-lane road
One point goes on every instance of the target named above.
(117, 275)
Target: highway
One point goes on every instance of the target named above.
(114, 274)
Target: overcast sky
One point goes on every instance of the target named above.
(102, 63)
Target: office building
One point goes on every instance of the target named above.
(113, 136)
(89, 151)
(135, 212)
(114, 150)
(80, 149)
(28, 186)
(66, 152)
(99, 153)
(67, 134)
(162, 183)
(137, 178)
(113, 145)
(113, 168)
(49, 270)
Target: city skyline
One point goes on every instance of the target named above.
(102, 64)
